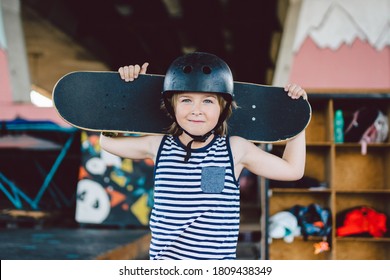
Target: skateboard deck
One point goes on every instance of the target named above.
(102, 101)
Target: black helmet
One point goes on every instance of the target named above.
(199, 72)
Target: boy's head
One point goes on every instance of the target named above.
(203, 73)
(175, 128)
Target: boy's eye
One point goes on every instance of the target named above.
(185, 100)
(208, 101)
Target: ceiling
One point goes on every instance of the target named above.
(120, 32)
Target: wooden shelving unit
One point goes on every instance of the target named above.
(352, 179)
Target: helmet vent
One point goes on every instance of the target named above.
(206, 69)
(187, 69)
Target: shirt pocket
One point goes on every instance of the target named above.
(213, 179)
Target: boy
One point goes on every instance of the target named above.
(196, 193)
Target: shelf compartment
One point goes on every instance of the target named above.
(319, 128)
(318, 163)
(278, 202)
(354, 170)
(349, 106)
(377, 201)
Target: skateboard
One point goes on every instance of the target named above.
(102, 101)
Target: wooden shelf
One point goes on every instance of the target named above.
(364, 239)
(319, 144)
(300, 190)
(254, 227)
(358, 145)
(364, 191)
(352, 179)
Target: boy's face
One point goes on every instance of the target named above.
(197, 113)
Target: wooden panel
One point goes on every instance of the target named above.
(284, 201)
(317, 163)
(362, 250)
(356, 171)
(317, 131)
(379, 202)
(386, 174)
(297, 250)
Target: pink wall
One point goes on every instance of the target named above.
(10, 110)
(5, 83)
(358, 66)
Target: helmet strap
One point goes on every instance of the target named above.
(197, 138)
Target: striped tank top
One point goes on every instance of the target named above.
(196, 207)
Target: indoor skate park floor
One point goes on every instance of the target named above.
(25, 238)
(73, 244)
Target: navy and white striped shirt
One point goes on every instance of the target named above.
(196, 208)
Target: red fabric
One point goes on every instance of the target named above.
(363, 220)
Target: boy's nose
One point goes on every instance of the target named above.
(196, 113)
(196, 110)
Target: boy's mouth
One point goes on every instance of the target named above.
(196, 121)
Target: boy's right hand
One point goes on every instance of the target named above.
(131, 72)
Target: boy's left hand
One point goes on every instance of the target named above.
(295, 91)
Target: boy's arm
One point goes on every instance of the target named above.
(133, 147)
(141, 147)
(295, 153)
(290, 167)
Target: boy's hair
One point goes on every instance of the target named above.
(222, 130)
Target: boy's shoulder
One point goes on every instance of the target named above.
(235, 138)
(239, 147)
(238, 141)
